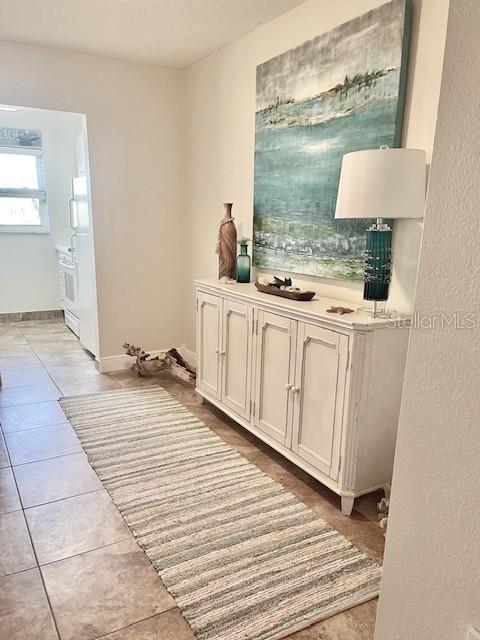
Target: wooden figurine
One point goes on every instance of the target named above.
(227, 245)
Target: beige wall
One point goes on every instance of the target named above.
(431, 584)
(220, 100)
(28, 264)
(168, 147)
(134, 115)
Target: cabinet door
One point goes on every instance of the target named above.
(209, 334)
(236, 355)
(319, 391)
(275, 361)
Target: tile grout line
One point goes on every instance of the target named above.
(4, 440)
(43, 363)
(36, 560)
(26, 404)
(367, 628)
(132, 624)
(42, 426)
(47, 371)
(6, 513)
(362, 624)
(77, 495)
(16, 573)
(81, 553)
(60, 455)
(42, 504)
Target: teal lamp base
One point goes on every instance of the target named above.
(378, 267)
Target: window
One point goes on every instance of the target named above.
(23, 199)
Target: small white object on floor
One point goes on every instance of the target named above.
(383, 508)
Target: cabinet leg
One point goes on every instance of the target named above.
(347, 505)
(200, 398)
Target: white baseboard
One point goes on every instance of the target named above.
(122, 362)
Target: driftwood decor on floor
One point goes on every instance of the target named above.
(147, 365)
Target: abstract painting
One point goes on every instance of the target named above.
(342, 91)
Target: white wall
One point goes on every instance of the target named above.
(168, 147)
(220, 100)
(134, 117)
(431, 583)
(28, 264)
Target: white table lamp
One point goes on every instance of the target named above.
(381, 183)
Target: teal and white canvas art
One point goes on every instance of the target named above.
(342, 91)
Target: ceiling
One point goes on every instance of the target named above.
(173, 33)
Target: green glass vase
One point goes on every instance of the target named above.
(244, 264)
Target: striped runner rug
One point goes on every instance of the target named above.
(242, 556)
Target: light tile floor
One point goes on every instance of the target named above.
(69, 567)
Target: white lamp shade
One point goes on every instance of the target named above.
(382, 183)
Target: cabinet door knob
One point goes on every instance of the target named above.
(295, 389)
(218, 351)
(223, 353)
(288, 387)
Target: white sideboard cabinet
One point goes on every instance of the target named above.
(322, 389)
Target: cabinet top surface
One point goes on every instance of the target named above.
(315, 309)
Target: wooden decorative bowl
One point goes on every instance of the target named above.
(304, 296)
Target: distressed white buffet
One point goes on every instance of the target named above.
(322, 389)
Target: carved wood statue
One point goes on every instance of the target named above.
(227, 245)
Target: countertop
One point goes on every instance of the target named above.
(316, 308)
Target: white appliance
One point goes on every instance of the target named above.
(83, 262)
(68, 287)
(77, 262)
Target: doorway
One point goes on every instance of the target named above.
(46, 233)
